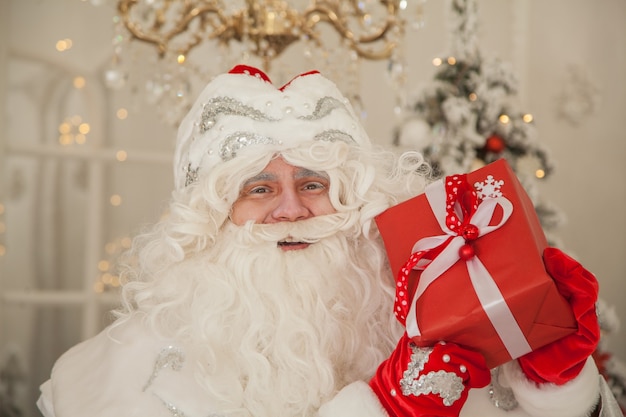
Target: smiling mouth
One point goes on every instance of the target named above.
(287, 245)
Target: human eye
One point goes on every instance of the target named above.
(312, 181)
(315, 185)
(262, 183)
(259, 189)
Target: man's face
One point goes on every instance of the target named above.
(283, 193)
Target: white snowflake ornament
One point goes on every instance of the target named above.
(490, 188)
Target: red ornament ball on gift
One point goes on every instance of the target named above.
(495, 144)
(466, 252)
(470, 232)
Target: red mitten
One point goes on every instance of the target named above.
(562, 360)
(426, 382)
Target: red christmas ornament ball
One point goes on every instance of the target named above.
(495, 144)
(470, 232)
(466, 252)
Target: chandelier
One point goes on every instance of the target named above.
(187, 40)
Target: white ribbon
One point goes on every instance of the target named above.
(489, 295)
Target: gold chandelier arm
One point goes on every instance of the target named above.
(324, 12)
(390, 22)
(124, 7)
(382, 54)
(189, 14)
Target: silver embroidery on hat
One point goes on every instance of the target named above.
(447, 385)
(169, 357)
(323, 108)
(239, 140)
(218, 106)
(333, 135)
(233, 143)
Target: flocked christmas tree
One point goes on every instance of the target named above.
(468, 117)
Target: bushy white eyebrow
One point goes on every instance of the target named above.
(263, 176)
(304, 172)
(299, 174)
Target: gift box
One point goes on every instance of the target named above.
(468, 259)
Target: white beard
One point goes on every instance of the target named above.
(282, 332)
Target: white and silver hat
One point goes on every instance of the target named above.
(242, 108)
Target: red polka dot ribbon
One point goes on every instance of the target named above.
(461, 203)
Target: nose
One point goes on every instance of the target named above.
(290, 208)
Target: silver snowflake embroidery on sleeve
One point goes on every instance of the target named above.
(501, 396)
(177, 412)
(191, 174)
(490, 188)
(169, 357)
(448, 385)
(173, 358)
(174, 411)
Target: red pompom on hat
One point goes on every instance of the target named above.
(248, 70)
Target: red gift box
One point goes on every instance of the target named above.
(484, 285)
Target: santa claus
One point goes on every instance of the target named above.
(265, 290)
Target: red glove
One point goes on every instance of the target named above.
(562, 360)
(423, 382)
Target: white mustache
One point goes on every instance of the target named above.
(308, 231)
